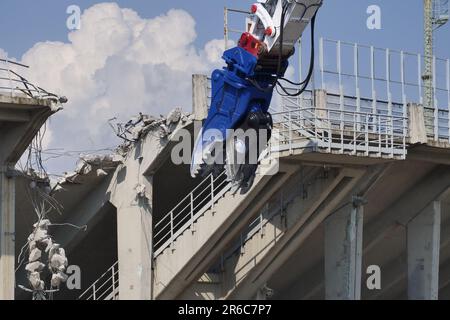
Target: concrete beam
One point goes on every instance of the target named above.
(311, 284)
(87, 212)
(343, 253)
(423, 253)
(7, 232)
(395, 271)
(208, 287)
(444, 276)
(294, 237)
(14, 115)
(195, 253)
(16, 139)
(430, 154)
(435, 184)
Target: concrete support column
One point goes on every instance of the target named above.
(134, 237)
(7, 233)
(200, 96)
(423, 253)
(343, 253)
(417, 129)
(320, 103)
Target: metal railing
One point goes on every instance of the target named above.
(342, 130)
(106, 287)
(13, 84)
(339, 128)
(274, 208)
(387, 76)
(366, 113)
(188, 211)
(228, 31)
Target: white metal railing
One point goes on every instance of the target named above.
(188, 211)
(106, 287)
(386, 75)
(342, 130)
(12, 83)
(228, 31)
(337, 128)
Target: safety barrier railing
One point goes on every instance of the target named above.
(344, 131)
(276, 207)
(106, 287)
(13, 84)
(386, 76)
(188, 211)
(381, 134)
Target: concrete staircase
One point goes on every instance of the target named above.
(183, 261)
(295, 211)
(284, 222)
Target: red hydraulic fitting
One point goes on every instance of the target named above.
(251, 44)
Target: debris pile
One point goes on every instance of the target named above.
(40, 244)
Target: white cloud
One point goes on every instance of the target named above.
(3, 54)
(116, 65)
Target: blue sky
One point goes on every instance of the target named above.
(25, 22)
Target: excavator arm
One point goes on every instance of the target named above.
(239, 125)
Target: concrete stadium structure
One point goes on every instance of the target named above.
(361, 182)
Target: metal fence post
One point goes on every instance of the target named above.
(290, 132)
(192, 212)
(171, 229)
(113, 281)
(379, 136)
(448, 96)
(435, 104)
(212, 193)
(355, 126)
(367, 136)
(9, 77)
(392, 137)
(225, 34)
(94, 293)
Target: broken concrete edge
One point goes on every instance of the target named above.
(138, 128)
(104, 164)
(54, 103)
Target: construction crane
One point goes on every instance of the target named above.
(436, 14)
(243, 90)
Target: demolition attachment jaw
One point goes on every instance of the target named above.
(238, 118)
(238, 126)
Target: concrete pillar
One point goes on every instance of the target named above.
(417, 129)
(423, 253)
(200, 96)
(343, 253)
(134, 237)
(7, 233)
(320, 100)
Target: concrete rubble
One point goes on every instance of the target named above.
(39, 242)
(100, 164)
(139, 126)
(133, 131)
